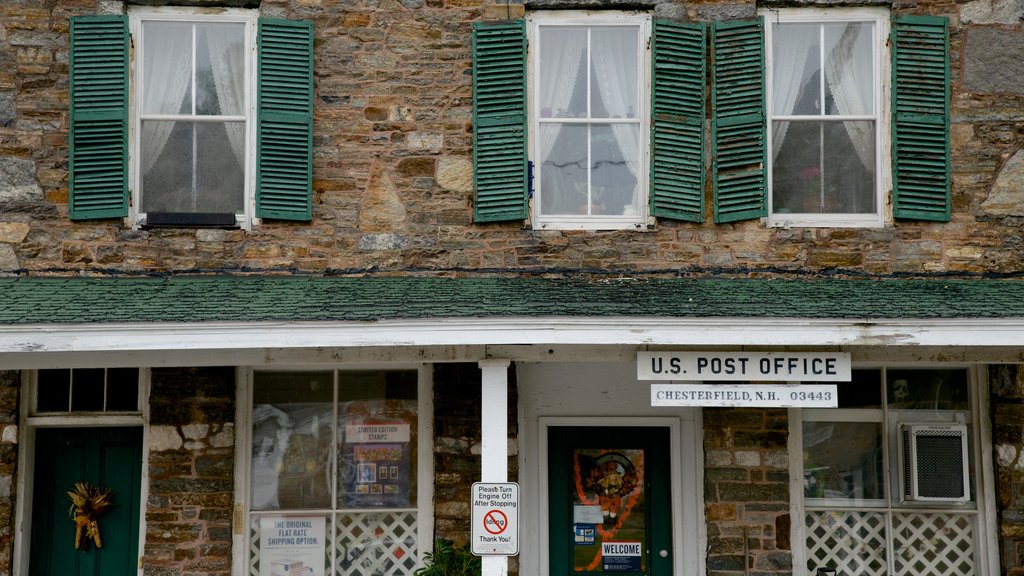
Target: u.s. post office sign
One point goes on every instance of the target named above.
(744, 366)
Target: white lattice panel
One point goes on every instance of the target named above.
(852, 542)
(376, 544)
(933, 544)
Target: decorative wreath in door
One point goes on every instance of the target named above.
(88, 503)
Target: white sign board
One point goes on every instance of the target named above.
(292, 545)
(755, 366)
(746, 395)
(495, 530)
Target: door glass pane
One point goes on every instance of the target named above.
(563, 72)
(291, 440)
(87, 389)
(122, 389)
(614, 72)
(849, 74)
(843, 460)
(609, 510)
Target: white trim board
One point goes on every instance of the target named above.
(196, 336)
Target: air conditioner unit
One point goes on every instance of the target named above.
(935, 463)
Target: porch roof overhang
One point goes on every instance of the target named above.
(46, 315)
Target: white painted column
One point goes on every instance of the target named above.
(494, 439)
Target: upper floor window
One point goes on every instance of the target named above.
(587, 118)
(825, 89)
(194, 118)
(194, 107)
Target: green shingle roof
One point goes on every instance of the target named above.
(25, 300)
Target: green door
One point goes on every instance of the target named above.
(106, 457)
(610, 505)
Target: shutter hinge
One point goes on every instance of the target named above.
(529, 178)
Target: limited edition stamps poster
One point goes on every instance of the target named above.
(609, 510)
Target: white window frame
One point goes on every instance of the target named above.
(537, 20)
(249, 18)
(881, 67)
(982, 480)
(243, 513)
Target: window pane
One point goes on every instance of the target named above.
(843, 460)
(928, 389)
(863, 391)
(563, 171)
(849, 78)
(167, 68)
(563, 72)
(615, 152)
(192, 167)
(291, 440)
(220, 69)
(53, 390)
(796, 67)
(614, 72)
(377, 439)
(87, 389)
(823, 167)
(123, 389)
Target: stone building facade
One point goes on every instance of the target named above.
(393, 302)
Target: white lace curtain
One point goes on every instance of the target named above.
(168, 79)
(848, 76)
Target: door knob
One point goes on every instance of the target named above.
(663, 553)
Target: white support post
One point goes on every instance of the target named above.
(494, 439)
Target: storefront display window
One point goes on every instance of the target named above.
(330, 451)
(889, 478)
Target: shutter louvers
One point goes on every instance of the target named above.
(499, 121)
(920, 131)
(677, 121)
(284, 165)
(98, 140)
(739, 165)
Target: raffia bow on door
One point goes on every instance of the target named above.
(88, 503)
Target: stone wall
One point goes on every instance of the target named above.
(457, 445)
(392, 169)
(10, 387)
(1007, 405)
(191, 467)
(746, 492)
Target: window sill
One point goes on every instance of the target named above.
(188, 220)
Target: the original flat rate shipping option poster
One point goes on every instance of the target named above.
(609, 510)
(292, 545)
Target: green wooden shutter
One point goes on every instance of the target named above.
(739, 163)
(677, 121)
(98, 142)
(284, 149)
(499, 121)
(920, 127)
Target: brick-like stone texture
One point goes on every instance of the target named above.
(191, 471)
(746, 492)
(10, 387)
(393, 147)
(1007, 406)
(457, 445)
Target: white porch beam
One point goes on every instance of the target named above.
(494, 439)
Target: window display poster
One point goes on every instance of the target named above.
(377, 465)
(609, 510)
(292, 545)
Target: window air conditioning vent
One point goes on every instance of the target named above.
(935, 463)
